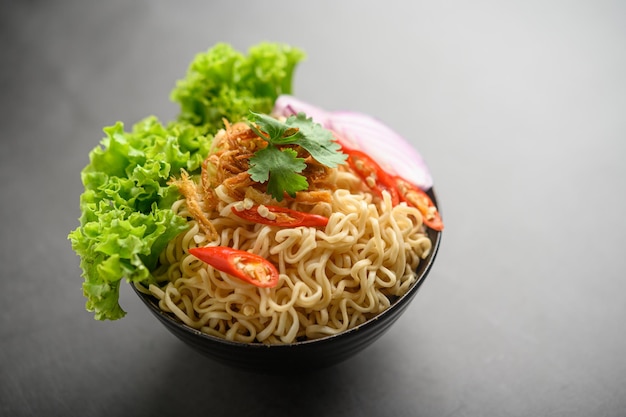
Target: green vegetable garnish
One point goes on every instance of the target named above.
(225, 83)
(126, 219)
(281, 167)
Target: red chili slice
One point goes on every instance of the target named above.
(416, 197)
(372, 174)
(246, 266)
(280, 216)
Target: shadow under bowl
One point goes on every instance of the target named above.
(300, 356)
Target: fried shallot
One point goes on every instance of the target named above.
(188, 189)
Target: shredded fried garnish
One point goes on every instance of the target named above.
(227, 166)
(188, 189)
(313, 197)
(229, 162)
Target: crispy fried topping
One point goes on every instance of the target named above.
(188, 189)
(228, 165)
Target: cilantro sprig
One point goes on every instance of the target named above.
(279, 165)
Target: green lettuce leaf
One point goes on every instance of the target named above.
(126, 219)
(223, 82)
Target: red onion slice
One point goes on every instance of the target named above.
(392, 152)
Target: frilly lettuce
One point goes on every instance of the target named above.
(224, 82)
(126, 219)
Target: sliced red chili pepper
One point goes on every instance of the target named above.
(416, 197)
(246, 266)
(280, 216)
(372, 174)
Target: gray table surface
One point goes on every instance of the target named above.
(519, 110)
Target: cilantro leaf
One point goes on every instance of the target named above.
(276, 133)
(281, 168)
(319, 142)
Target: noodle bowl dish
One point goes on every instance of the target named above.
(265, 232)
(342, 278)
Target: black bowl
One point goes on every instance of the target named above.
(297, 356)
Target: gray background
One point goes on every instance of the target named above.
(518, 108)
